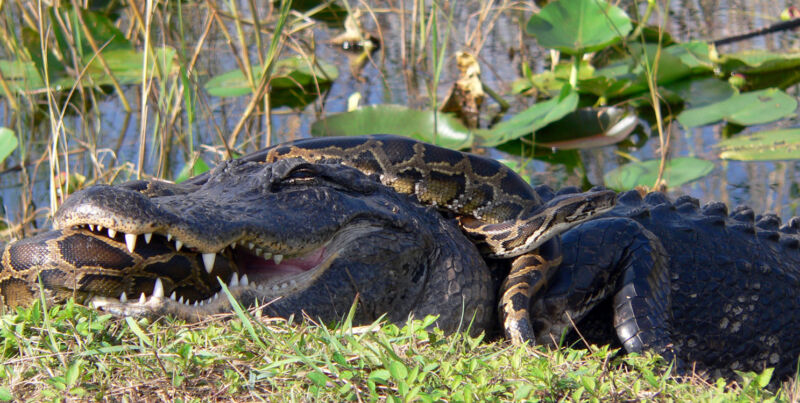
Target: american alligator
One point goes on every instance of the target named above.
(244, 203)
(692, 283)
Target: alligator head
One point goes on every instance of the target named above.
(299, 237)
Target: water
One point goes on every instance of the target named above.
(114, 135)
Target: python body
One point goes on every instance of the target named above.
(207, 217)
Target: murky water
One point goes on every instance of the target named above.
(114, 136)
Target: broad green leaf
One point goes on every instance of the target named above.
(6, 395)
(759, 61)
(126, 65)
(699, 91)
(528, 121)
(439, 128)
(551, 82)
(102, 30)
(579, 26)
(587, 128)
(695, 54)
(290, 72)
(8, 142)
(678, 171)
(31, 42)
(746, 109)
(629, 75)
(762, 146)
(191, 169)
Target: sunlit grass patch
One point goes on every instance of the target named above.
(80, 353)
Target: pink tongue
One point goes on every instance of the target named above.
(255, 265)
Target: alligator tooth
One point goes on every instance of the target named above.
(178, 245)
(258, 251)
(148, 236)
(234, 280)
(172, 296)
(233, 245)
(123, 298)
(169, 236)
(278, 259)
(208, 261)
(250, 245)
(142, 299)
(275, 288)
(91, 227)
(195, 303)
(284, 285)
(130, 241)
(181, 300)
(243, 282)
(112, 233)
(216, 295)
(158, 289)
(268, 256)
(293, 283)
(99, 227)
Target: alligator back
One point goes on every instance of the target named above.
(734, 280)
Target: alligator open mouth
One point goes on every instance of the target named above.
(244, 265)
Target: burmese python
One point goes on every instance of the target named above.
(495, 207)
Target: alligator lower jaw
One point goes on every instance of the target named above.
(261, 282)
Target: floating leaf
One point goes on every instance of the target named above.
(587, 128)
(291, 72)
(759, 61)
(579, 26)
(126, 65)
(629, 75)
(102, 30)
(551, 82)
(678, 171)
(439, 128)
(8, 143)
(746, 109)
(762, 146)
(697, 92)
(528, 121)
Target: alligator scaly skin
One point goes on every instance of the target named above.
(716, 289)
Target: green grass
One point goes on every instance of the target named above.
(75, 352)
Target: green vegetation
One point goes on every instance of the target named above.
(73, 352)
(124, 90)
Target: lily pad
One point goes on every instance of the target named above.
(678, 171)
(746, 109)
(588, 128)
(628, 76)
(762, 146)
(441, 128)
(528, 121)
(291, 72)
(579, 26)
(759, 61)
(697, 92)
